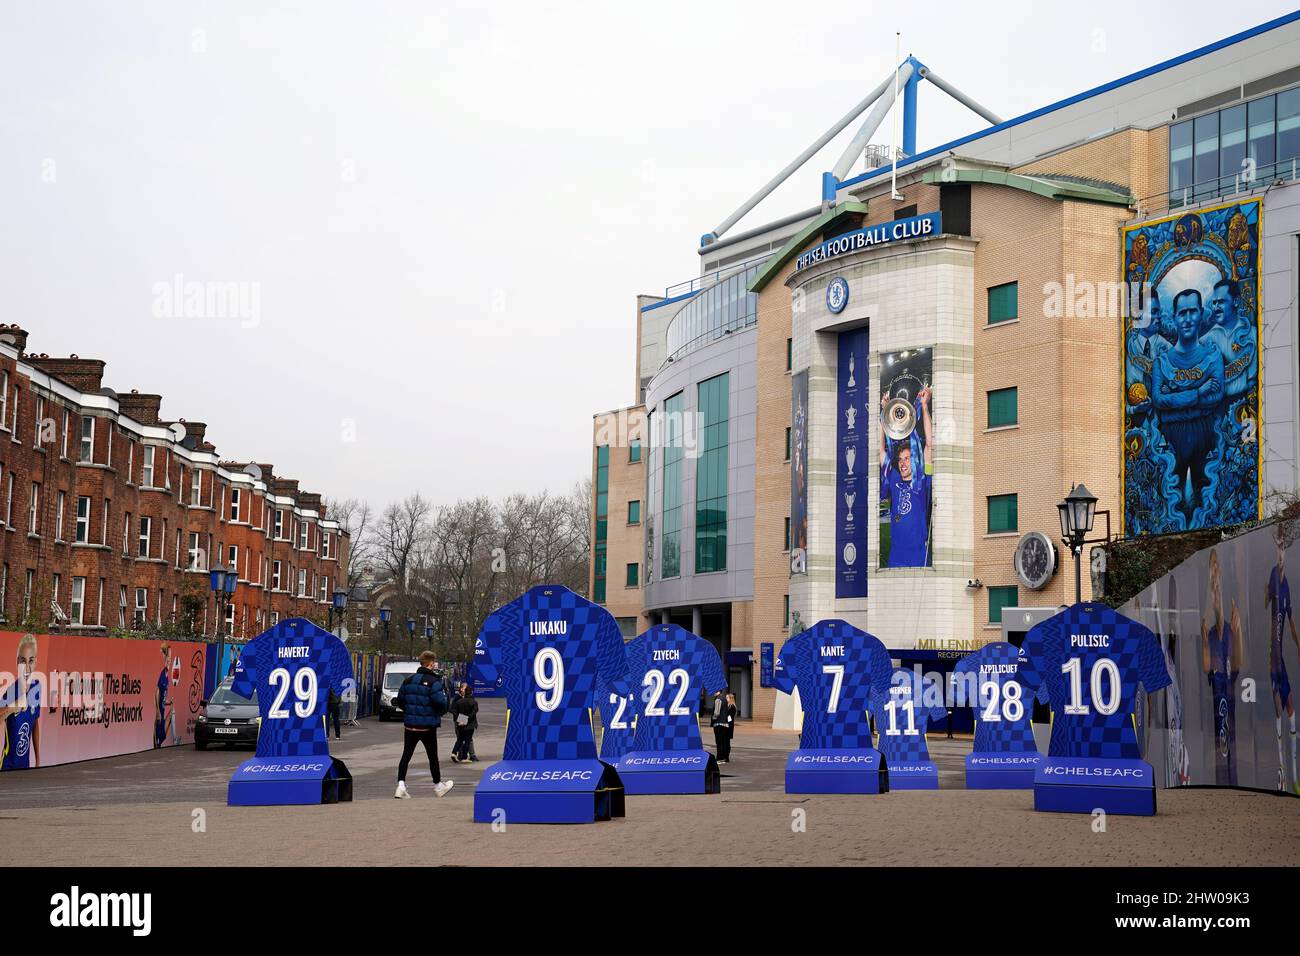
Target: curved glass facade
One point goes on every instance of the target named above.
(725, 307)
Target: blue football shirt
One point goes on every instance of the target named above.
(987, 681)
(551, 647)
(292, 668)
(618, 716)
(19, 726)
(669, 668)
(909, 521)
(1223, 681)
(837, 668)
(1091, 660)
(903, 710)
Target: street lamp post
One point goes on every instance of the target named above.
(1078, 511)
(410, 631)
(385, 615)
(428, 635)
(337, 605)
(223, 584)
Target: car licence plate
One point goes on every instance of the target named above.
(226, 730)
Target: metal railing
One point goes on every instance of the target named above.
(712, 278)
(1220, 187)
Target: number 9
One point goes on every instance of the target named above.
(548, 674)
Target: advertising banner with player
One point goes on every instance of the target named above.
(906, 458)
(1229, 640)
(66, 698)
(551, 649)
(799, 473)
(853, 428)
(1192, 451)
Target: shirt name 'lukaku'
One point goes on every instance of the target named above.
(544, 628)
(75, 909)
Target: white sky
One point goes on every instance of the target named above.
(449, 207)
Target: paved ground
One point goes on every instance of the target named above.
(142, 809)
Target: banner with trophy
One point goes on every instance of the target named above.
(906, 468)
(799, 473)
(853, 426)
(1192, 448)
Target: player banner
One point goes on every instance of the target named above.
(906, 458)
(66, 698)
(853, 426)
(1192, 450)
(1228, 638)
(799, 473)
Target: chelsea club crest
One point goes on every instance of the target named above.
(837, 295)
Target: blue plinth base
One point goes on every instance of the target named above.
(671, 771)
(1078, 785)
(548, 791)
(836, 771)
(1001, 771)
(275, 781)
(923, 775)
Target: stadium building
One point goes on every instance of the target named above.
(870, 409)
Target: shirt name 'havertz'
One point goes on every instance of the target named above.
(547, 628)
(296, 651)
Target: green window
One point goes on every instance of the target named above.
(1002, 302)
(599, 556)
(1003, 515)
(634, 512)
(787, 444)
(787, 534)
(633, 578)
(789, 354)
(711, 475)
(671, 558)
(787, 612)
(1000, 598)
(1003, 409)
(634, 450)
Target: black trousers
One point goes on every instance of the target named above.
(410, 739)
(464, 746)
(722, 738)
(332, 716)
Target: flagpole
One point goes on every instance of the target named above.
(893, 142)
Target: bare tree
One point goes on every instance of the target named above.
(355, 519)
(402, 533)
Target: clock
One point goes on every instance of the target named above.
(837, 294)
(1035, 560)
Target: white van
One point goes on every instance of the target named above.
(395, 672)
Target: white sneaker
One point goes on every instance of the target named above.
(401, 793)
(443, 788)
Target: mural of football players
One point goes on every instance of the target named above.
(20, 710)
(1221, 660)
(1187, 392)
(906, 485)
(1277, 598)
(1235, 338)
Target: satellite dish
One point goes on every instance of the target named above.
(178, 431)
(8, 338)
(253, 469)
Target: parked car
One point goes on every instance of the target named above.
(394, 673)
(227, 719)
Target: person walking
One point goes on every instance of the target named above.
(465, 711)
(423, 698)
(332, 715)
(721, 722)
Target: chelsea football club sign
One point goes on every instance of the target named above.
(900, 230)
(837, 295)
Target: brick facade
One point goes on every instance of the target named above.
(115, 514)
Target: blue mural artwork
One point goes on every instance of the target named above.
(1192, 448)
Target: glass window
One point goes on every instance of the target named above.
(1288, 130)
(999, 598)
(1003, 302)
(1002, 407)
(789, 355)
(787, 443)
(634, 450)
(598, 594)
(88, 438)
(1003, 515)
(671, 559)
(711, 476)
(1180, 159)
(633, 577)
(1232, 147)
(787, 535)
(634, 512)
(1205, 153)
(1262, 140)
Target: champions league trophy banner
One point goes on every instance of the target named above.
(551, 649)
(668, 668)
(836, 669)
(1005, 755)
(1091, 661)
(292, 668)
(852, 514)
(906, 458)
(903, 710)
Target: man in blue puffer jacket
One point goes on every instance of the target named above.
(423, 698)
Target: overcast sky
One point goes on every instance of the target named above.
(441, 211)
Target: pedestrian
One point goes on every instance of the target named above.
(733, 711)
(423, 698)
(721, 722)
(332, 714)
(465, 710)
